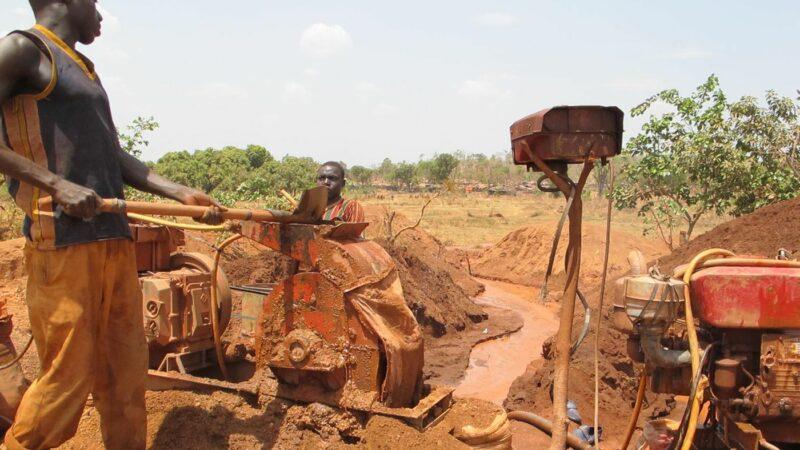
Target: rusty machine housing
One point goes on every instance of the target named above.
(176, 294)
(567, 135)
(310, 334)
(751, 314)
(305, 339)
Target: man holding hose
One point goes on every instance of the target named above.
(59, 141)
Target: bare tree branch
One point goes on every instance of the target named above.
(421, 215)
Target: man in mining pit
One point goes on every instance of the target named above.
(332, 175)
(58, 140)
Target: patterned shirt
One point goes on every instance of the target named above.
(345, 211)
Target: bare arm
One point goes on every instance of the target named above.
(19, 65)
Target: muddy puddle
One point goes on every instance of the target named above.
(495, 364)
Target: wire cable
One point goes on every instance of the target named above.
(600, 310)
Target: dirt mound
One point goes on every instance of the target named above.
(522, 255)
(761, 233)
(436, 287)
(182, 419)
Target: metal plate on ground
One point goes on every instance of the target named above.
(427, 413)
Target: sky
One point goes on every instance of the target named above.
(360, 81)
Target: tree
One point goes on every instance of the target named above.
(361, 175)
(257, 155)
(405, 174)
(443, 166)
(134, 142)
(386, 169)
(705, 155)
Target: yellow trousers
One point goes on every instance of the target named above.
(85, 311)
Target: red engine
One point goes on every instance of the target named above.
(749, 297)
(747, 316)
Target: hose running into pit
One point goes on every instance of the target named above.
(215, 305)
(637, 409)
(547, 427)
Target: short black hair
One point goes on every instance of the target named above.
(338, 165)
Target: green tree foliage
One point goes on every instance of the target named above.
(257, 155)
(442, 166)
(405, 175)
(385, 170)
(707, 155)
(133, 140)
(361, 175)
(234, 174)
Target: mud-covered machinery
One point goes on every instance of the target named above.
(747, 317)
(176, 291)
(338, 331)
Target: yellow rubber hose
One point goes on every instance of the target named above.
(215, 306)
(691, 332)
(185, 226)
(637, 409)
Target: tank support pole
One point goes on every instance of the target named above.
(564, 335)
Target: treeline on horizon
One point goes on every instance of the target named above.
(253, 174)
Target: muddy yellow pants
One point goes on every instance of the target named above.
(86, 317)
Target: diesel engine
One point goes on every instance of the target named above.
(746, 315)
(176, 300)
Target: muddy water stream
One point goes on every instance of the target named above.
(495, 364)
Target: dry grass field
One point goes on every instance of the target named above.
(457, 219)
(477, 219)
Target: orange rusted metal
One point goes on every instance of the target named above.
(311, 334)
(567, 134)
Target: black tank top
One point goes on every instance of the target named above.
(67, 128)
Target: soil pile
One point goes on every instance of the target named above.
(521, 256)
(761, 233)
(436, 287)
(181, 419)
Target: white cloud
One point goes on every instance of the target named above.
(322, 39)
(689, 53)
(217, 90)
(294, 91)
(311, 73)
(481, 88)
(496, 19)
